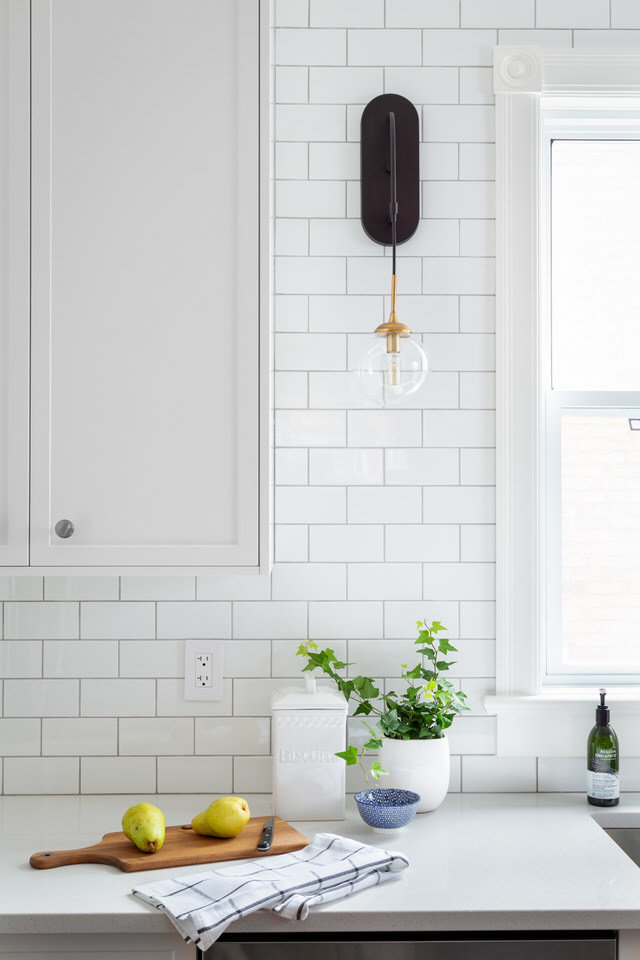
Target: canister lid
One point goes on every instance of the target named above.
(299, 698)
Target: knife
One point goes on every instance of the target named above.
(267, 835)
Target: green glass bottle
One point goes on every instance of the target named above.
(603, 760)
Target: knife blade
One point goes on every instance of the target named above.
(267, 835)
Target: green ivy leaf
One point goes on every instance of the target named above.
(377, 771)
(350, 755)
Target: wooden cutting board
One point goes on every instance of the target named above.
(182, 846)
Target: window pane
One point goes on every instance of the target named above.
(601, 540)
(595, 268)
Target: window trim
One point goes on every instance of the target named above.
(522, 75)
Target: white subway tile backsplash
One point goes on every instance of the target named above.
(459, 428)
(252, 698)
(344, 84)
(384, 504)
(116, 698)
(309, 581)
(470, 735)
(346, 543)
(477, 314)
(247, 658)
(221, 587)
(424, 84)
(373, 275)
(171, 701)
(291, 13)
(292, 161)
(459, 274)
(380, 658)
(20, 658)
(292, 469)
(291, 391)
(478, 467)
(417, 13)
(291, 542)
(439, 161)
(292, 84)
(207, 775)
(41, 775)
(72, 658)
(460, 352)
(346, 314)
(458, 198)
(354, 13)
(84, 736)
(572, 14)
(310, 198)
(40, 621)
(477, 162)
(422, 466)
(477, 619)
(435, 238)
(311, 505)
(20, 737)
(431, 541)
(157, 588)
(145, 736)
(292, 237)
(310, 351)
(345, 621)
(400, 617)
(198, 619)
(257, 621)
(334, 161)
(625, 14)
(308, 275)
(478, 542)
(384, 428)
(310, 428)
(478, 390)
(459, 581)
(336, 390)
(476, 689)
(151, 658)
(497, 13)
(476, 85)
(307, 47)
(115, 621)
(233, 735)
(292, 313)
(474, 658)
(118, 775)
(252, 775)
(543, 38)
(21, 588)
(477, 238)
(41, 698)
(393, 581)
(498, 774)
(286, 662)
(459, 505)
(465, 48)
(81, 588)
(346, 467)
(463, 123)
(599, 39)
(344, 237)
(386, 47)
(304, 122)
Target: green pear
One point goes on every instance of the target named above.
(200, 825)
(144, 825)
(225, 817)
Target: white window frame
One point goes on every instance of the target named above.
(524, 77)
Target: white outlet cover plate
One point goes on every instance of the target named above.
(192, 648)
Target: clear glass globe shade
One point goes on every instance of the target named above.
(391, 379)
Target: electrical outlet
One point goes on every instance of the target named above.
(203, 670)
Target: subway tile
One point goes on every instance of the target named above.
(458, 198)
(345, 620)
(247, 658)
(424, 84)
(434, 238)
(336, 390)
(470, 735)
(572, 14)
(477, 162)
(439, 161)
(292, 236)
(258, 621)
(84, 736)
(380, 658)
(625, 14)
(115, 621)
(197, 619)
(541, 38)
(476, 689)
(222, 587)
(459, 428)
(252, 774)
(75, 658)
(291, 470)
(310, 198)
(460, 351)
(355, 13)
(353, 196)
(497, 13)
(561, 774)
(116, 698)
(400, 617)
(455, 778)
(427, 314)
(334, 161)
(422, 542)
(309, 581)
(41, 698)
(477, 619)
(478, 542)
(208, 775)
(384, 428)
(306, 47)
(25, 620)
(384, 504)
(346, 543)
(478, 390)
(146, 736)
(459, 581)
(292, 84)
(474, 658)
(20, 658)
(171, 701)
(20, 737)
(81, 588)
(291, 390)
(499, 774)
(118, 775)
(476, 85)
(459, 505)
(346, 467)
(291, 543)
(478, 467)
(310, 428)
(373, 275)
(286, 662)
(459, 274)
(477, 314)
(21, 588)
(310, 121)
(291, 13)
(606, 39)
(423, 466)
(477, 238)
(151, 658)
(346, 314)
(439, 391)
(310, 505)
(41, 775)
(465, 48)
(384, 581)
(233, 735)
(310, 275)
(344, 237)
(386, 47)
(417, 13)
(158, 588)
(461, 123)
(291, 313)
(252, 698)
(291, 161)
(310, 351)
(344, 84)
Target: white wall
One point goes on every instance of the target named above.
(381, 517)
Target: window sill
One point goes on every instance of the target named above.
(556, 722)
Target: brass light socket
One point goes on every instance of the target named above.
(393, 330)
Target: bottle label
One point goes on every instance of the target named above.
(603, 786)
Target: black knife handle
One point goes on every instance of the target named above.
(265, 840)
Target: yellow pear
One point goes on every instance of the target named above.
(225, 817)
(144, 824)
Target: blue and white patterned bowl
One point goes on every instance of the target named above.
(386, 809)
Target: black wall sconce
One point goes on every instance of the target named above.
(391, 371)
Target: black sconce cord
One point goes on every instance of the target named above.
(393, 205)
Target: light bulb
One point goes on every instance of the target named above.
(391, 378)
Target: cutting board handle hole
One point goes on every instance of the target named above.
(46, 854)
(186, 827)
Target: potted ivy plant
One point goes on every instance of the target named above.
(410, 724)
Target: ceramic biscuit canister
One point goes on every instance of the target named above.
(309, 727)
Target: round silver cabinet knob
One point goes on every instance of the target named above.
(64, 529)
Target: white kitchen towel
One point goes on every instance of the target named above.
(202, 906)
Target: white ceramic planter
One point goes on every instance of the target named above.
(419, 765)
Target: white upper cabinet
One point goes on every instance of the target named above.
(147, 423)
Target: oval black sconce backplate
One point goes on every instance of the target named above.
(375, 168)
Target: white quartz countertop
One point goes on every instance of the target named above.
(480, 862)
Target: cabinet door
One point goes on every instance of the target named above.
(145, 167)
(14, 282)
